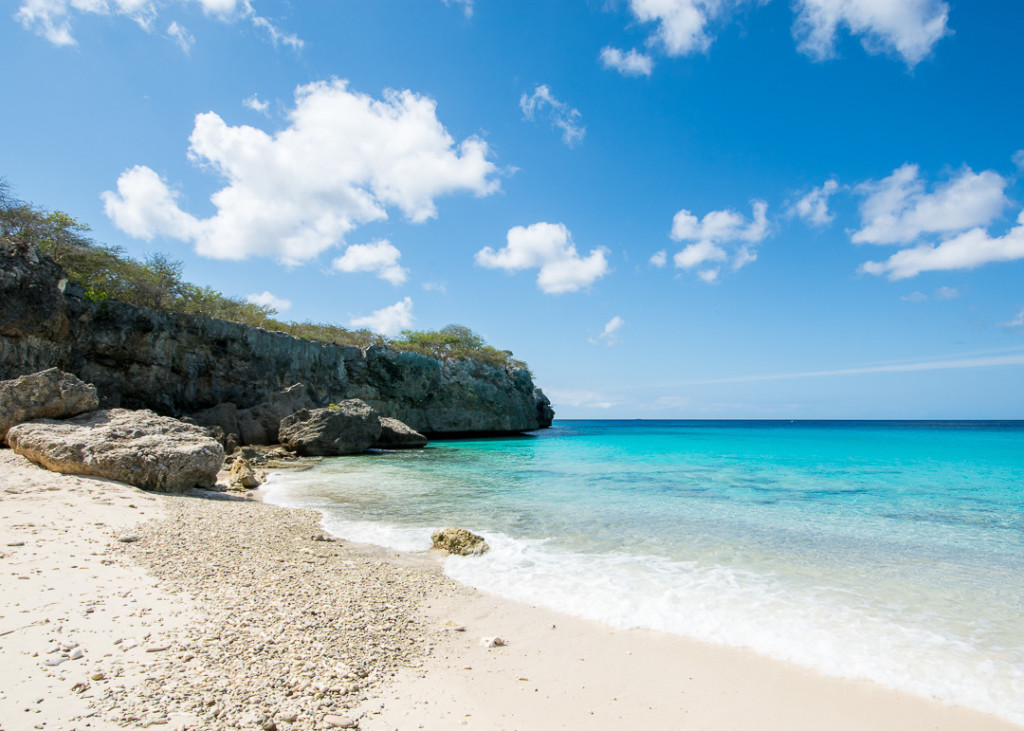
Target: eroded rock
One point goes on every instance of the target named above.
(395, 434)
(243, 475)
(49, 394)
(348, 427)
(459, 541)
(136, 447)
(261, 423)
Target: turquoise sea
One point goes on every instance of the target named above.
(891, 551)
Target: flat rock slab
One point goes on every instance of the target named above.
(49, 394)
(136, 447)
(395, 434)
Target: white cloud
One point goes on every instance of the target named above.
(548, 247)
(180, 35)
(256, 104)
(947, 293)
(682, 24)
(579, 397)
(342, 161)
(388, 321)
(561, 114)
(610, 335)
(967, 250)
(909, 28)
(1018, 159)
(658, 259)
(897, 209)
(435, 287)
(715, 234)
(52, 19)
(813, 207)
(630, 63)
(915, 297)
(266, 299)
(378, 256)
(1016, 322)
(467, 6)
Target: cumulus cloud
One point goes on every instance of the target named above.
(52, 19)
(658, 259)
(681, 24)
(561, 114)
(897, 209)
(967, 250)
(718, 238)
(580, 398)
(630, 63)
(380, 257)
(388, 321)
(266, 299)
(549, 248)
(909, 28)
(813, 207)
(342, 161)
(1018, 159)
(610, 335)
(256, 104)
(947, 293)
(180, 35)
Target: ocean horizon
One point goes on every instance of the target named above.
(889, 551)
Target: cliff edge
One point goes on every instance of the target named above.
(176, 364)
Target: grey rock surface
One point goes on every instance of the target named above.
(136, 447)
(261, 423)
(395, 434)
(49, 394)
(348, 427)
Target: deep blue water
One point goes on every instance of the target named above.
(892, 551)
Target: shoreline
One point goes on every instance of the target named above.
(243, 604)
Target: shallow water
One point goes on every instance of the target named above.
(879, 550)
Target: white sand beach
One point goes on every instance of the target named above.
(123, 609)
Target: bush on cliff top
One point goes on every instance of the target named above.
(108, 273)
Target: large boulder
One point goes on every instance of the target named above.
(49, 394)
(348, 427)
(395, 434)
(223, 415)
(459, 541)
(137, 447)
(261, 423)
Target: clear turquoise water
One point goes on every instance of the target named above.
(887, 551)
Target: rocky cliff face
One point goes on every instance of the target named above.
(179, 364)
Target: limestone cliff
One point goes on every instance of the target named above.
(179, 364)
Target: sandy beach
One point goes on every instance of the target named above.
(123, 609)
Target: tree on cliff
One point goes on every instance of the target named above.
(108, 273)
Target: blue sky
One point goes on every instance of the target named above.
(669, 208)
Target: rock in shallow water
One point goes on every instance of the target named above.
(459, 541)
(395, 434)
(136, 447)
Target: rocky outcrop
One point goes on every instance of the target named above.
(243, 475)
(49, 394)
(459, 541)
(396, 435)
(180, 364)
(136, 447)
(261, 423)
(348, 427)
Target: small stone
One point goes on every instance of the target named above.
(340, 721)
(98, 675)
(76, 654)
(15, 544)
(492, 642)
(130, 538)
(55, 661)
(288, 716)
